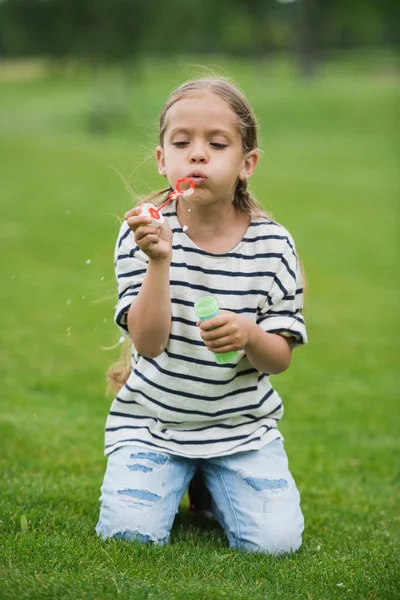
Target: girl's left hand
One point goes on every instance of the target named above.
(225, 332)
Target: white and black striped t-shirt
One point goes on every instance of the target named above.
(182, 401)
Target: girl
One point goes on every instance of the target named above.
(179, 411)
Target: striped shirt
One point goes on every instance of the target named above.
(182, 401)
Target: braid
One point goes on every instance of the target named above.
(241, 197)
(245, 202)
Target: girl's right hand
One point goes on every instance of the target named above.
(156, 242)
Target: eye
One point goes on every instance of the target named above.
(180, 144)
(218, 145)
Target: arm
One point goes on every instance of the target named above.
(267, 352)
(280, 326)
(149, 316)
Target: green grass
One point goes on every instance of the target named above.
(328, 173)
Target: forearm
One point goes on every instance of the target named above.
(268, 352)
(149, 317)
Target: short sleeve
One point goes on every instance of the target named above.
(130, 268)
(282, 310)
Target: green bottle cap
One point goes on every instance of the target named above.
(206, 306)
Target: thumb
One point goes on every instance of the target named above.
(165, 228)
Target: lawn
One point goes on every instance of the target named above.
(329, 174)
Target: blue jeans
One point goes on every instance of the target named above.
(254, 496)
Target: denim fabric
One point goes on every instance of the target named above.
(255, 498)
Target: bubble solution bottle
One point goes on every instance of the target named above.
(206, 308)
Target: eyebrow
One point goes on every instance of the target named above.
(209, 132)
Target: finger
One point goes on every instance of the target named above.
(219, 343)
(215, 334)
(136, 210)
(144, 230)
(213, 323)
(165, 231)
(223, 345)
(135, 221)
(148, 241)
(164, 226)
(219, 340)
(227, 348)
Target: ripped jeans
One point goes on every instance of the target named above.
(254, 496)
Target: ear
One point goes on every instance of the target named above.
(161, 161)
(249, 164)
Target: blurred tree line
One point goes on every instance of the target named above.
(120, 32)
(112, 37)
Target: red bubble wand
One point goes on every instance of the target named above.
(155, 212)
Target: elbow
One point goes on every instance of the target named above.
(147, 348)
(272, 368)
(283, 357)
(151, 352)
(151, 341)
(279, 365)
(282, 364)
(280, 368)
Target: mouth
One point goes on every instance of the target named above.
(197, 176)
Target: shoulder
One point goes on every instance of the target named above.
(265, 232)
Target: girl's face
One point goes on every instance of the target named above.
(202, 141)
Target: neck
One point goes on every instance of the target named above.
(211, 228)
(207, 220)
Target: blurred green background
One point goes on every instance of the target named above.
(81, 88)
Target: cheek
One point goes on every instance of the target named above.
(232, 165)
(170, 156)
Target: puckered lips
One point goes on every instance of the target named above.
(197, 176)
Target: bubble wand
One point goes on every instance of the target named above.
(149, 210)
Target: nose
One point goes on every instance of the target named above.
(198, 154)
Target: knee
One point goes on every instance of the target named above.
(126, 521)
(274, 545)
(279, 543)
(121, 532)
(135, 536)
(280, 539)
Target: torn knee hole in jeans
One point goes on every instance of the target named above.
(150, 457)
(149, 498)
(142, 468)
(266, 485)
(133, 535)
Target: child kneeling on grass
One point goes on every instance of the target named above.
(179, 413)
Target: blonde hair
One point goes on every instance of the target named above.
(242, 200)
